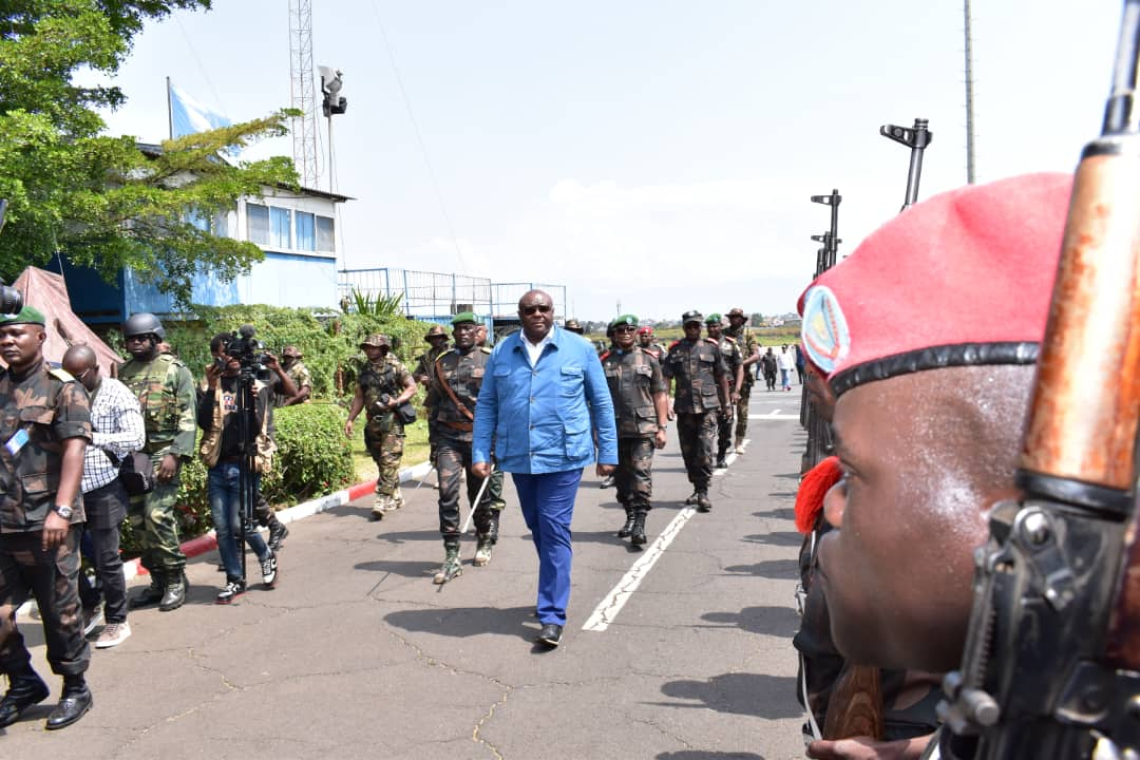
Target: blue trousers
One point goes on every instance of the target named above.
(547, 504)
(224, 491)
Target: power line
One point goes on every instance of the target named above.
(201, 67)
(419, 139)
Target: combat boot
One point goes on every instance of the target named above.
(24, 690)
(637, 534)
(628, 527)
(152, 594)
(703, 503)
(396, 500)
(380, 506)
(174, 596)
(692, 499)
(450, 568)
(721, 464)
(483, 550)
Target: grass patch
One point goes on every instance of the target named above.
(416, 448)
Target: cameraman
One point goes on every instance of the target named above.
(382, 384)
(223, 451)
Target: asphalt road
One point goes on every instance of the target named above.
(357, 654)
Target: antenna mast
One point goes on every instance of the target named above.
(302, 91)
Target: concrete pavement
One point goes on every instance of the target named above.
(358, 654)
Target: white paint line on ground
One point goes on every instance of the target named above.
(607, 610)
(776, 415)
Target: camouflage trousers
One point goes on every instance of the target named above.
(697, 432)
(52, 577)
(387, 449)
(634, 474)
(154, 521)
(742, 408)
(454, 458)
(495, 490)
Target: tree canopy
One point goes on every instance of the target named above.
(98, 199)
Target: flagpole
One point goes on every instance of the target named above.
(169, 110)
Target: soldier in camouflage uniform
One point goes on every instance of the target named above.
(45, 424)
(750, 350)
(456, 380)
(495, 487)
(382, 384)
(735, 363)
(641, 410)
(701, 377)
(298, 374)
(649, 344)
(425, 362)
(165, 390)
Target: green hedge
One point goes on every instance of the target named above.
(314, 458)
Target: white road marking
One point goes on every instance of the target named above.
(607, 610)
(776, 415)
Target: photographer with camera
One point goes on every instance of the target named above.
(231, 384)
(383, 386)
(165, 390)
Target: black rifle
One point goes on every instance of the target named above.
(1051, 667)
(916, 138)
(819, 432)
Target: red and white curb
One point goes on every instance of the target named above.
(209, 542)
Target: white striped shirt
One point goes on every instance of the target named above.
(116, 427)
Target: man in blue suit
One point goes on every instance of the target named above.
(543, 402)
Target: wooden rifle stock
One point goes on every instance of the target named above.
(855, 707)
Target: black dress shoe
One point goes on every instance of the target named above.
(550, 635)
(74, 704)
(24, 691)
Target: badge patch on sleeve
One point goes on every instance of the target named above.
(825, 334)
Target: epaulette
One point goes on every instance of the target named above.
(674, 343)
(604, 355)
(729, 338)
(713, 341)
(61, 374)
(486, 350)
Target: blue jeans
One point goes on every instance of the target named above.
(223, 485)
(547, 504)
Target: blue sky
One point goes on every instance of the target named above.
(660, 154)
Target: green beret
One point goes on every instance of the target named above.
(464, 316)
(625, 319)
(712, 319)
(27, 316)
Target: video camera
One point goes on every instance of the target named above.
(243, 347)
(10, 299)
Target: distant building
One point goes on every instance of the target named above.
(296, 229)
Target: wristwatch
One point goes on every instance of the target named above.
(63, 511)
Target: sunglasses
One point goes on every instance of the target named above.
(625, 328)
(540, 308)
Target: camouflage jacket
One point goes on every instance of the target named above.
(749, 346)
(38, 410)
(426, 362)
(463, 373)
(384, 378)
(300, 376)
(697, 367)
(634, 377)
(730, 351)
(165, 390)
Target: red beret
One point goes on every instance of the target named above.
(963, 278)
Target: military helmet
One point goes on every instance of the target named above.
(292, 351)
(436, 331)
(574, 326)
(379, 340)
(143, 323)
(737, 312)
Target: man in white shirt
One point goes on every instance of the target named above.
(787, 363)
(117, 431)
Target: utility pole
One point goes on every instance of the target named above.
(302, 91)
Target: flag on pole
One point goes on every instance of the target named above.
(189, 116)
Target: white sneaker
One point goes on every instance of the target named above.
(113, 635)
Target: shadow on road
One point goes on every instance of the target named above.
(786, 513)
(400, 537)
(769, 621)
(761, 696)
(696, 754)
(462, 622)
(779, 538)
(778, 569)
(407, 569)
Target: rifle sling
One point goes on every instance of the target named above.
(451, 394)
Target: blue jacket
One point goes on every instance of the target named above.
(541, 417)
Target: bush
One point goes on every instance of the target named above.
(314, 458)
